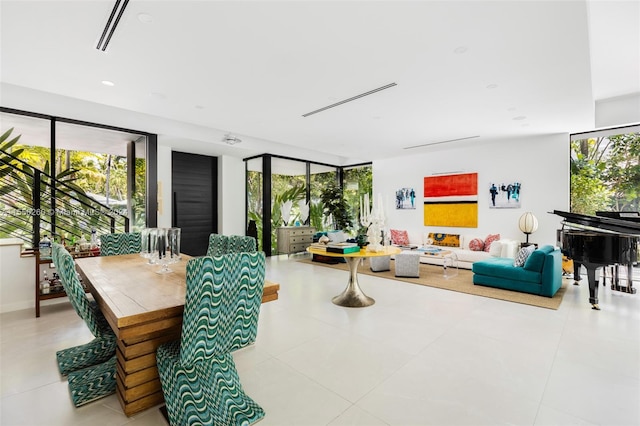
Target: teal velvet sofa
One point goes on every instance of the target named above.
(541, 273)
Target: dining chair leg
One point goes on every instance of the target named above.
(93, 353)
(92, 383)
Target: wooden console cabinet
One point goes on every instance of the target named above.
(294, 239)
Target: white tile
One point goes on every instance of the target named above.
(51, 405)
(289, 397)
(460, 379)
(280, 331)
(356, 416)
(593, 393)
(549, 416)
(150, 417)
(348, 364)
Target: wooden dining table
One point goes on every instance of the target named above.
(145, 310)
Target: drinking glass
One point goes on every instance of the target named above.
(163, 251)
(152, 245)
(145, 242)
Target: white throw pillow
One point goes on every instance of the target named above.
(509, 248)
(496, 248)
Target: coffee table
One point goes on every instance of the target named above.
(449, 259)
(353, 296)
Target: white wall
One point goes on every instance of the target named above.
(541, 164)
(618, 111)
(164, 186)
(231, 195)
(17, 278)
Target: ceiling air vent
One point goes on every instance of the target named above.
(441, 142)
(112, 23)
(353, 98)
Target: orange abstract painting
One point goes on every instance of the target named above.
(451, 200)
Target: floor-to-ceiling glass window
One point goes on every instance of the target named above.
(137, 185)
(605, 171)
(320, 176)
(25, 145)
(288, 194)
(92, 176)
(357, 181)
(255, 197)
(293, 186)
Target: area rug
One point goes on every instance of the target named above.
(431, 276)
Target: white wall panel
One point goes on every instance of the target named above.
(541, 164)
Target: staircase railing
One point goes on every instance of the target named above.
(33, 203)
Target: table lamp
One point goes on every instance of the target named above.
(528, 224)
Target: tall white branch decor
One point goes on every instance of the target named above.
(304, 211)
(285, 210)
(373, 218)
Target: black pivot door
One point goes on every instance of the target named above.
(194, 191)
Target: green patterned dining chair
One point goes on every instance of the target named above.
(241, 243)
(198, 376)
(122, 243)
(218, 245)
(90, 367)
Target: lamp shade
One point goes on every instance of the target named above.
(528, 223)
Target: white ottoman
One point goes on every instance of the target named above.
(380, 263)
(408, 264)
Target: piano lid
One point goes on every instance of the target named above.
(601, 222)
(632, 216)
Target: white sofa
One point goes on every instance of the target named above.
(466, 256)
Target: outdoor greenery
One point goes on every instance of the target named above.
(330, 206)
(84, 175)
(358, 181)
(605, 174)
(336, 207)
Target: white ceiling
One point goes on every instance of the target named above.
(485, 70)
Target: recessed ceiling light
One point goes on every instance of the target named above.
(492, 86)
(520, 117)
(459, 50)
(108, 83)
(145, 18)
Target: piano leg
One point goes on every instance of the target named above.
(615, 285)
(576, 273)
(593, 285)
(630, 288)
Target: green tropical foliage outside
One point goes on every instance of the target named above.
(325, 195)
(605, 174)
(81, 173)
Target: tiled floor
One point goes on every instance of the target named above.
(419, 356)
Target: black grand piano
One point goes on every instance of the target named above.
(599, 241)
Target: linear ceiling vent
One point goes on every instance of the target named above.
(112, 23)
(441, 142)
(362, 95)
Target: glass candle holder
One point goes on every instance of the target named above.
(173, 244)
